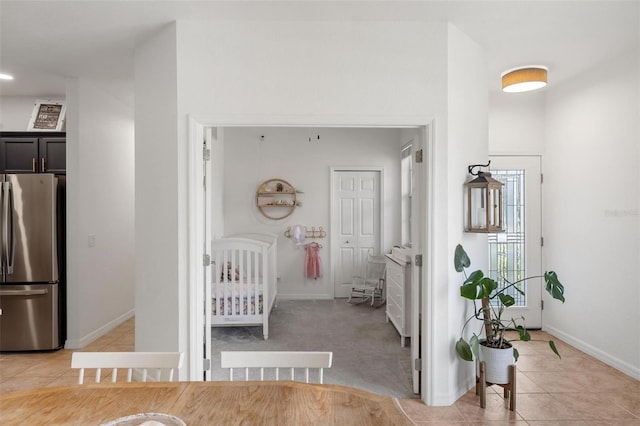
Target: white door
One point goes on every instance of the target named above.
(209, 191)
(412, 175)
(517, 253)
(355, 222)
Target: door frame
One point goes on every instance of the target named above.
(333, 251)
(195, 233)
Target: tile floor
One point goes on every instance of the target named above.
(576, 390)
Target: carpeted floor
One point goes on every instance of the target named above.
(366, 349)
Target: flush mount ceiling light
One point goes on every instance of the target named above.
(524, 79)
(5, 76)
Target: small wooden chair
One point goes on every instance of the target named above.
(371, 285)
(276, 360)
(169, 362)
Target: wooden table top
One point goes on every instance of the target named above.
(203, 403)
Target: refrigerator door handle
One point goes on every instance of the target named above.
(10, 246)
(3, 227)
(24, 292)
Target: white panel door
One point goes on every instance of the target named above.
(356, 219)
(517, 253)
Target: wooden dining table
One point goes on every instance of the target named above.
(203, 403)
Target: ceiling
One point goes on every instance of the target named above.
(42, 42)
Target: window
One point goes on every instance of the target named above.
(507, 249)
(406, 184)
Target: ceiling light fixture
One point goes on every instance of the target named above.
(524, 79)
(5, 76)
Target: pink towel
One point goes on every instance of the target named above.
(312, 261)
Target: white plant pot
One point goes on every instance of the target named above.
(497, 362)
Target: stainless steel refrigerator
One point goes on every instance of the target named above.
(30, 288)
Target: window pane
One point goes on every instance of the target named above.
(507, 250)
(406, 184)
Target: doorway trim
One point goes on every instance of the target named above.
(197, 123)
(333, 236)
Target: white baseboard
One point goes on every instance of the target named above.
(618, 364)
(99, 332)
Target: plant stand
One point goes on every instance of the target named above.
(509, 388)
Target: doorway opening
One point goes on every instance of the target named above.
(239, 198)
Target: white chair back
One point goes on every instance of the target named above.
(168, 362)
(276, 360)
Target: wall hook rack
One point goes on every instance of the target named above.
(309, 233)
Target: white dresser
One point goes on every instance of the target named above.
(398, 284)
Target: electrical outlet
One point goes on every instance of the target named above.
(91, 240)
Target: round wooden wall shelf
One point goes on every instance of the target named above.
(276, 199)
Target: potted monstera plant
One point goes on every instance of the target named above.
(491, 305)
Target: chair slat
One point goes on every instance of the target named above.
(160, 361)
(275, 360)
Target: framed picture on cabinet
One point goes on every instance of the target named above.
(47, 116)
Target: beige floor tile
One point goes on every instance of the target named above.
(630, 422)
(540, 362)
(628, 400)
(497, 408)
(62, 354)
(53, 368)
(534, 406)
(526, 385)
(585, 381)
(593, 406)
(12, 366)
(119, 348)
(420, 412)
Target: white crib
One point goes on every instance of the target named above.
(243, 289)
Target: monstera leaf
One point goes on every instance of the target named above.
(554, 287)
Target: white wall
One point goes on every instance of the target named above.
(311, 69)
(157, 293)
(293, 73)
(286, 153)
(100, 196)
(517, 123)
(467, 132)
(591, 210)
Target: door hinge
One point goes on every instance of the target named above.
(418, 261)
(541, 178)
(206, 260)
(417, 364)
(206, 364)
(419, 156)
(542, 305)
(541, 241)
(206, 154)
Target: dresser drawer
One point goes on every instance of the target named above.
(394, 272)
(398, 289)
(395, 291)
(395, 314)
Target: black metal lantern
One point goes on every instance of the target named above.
(483, 202)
